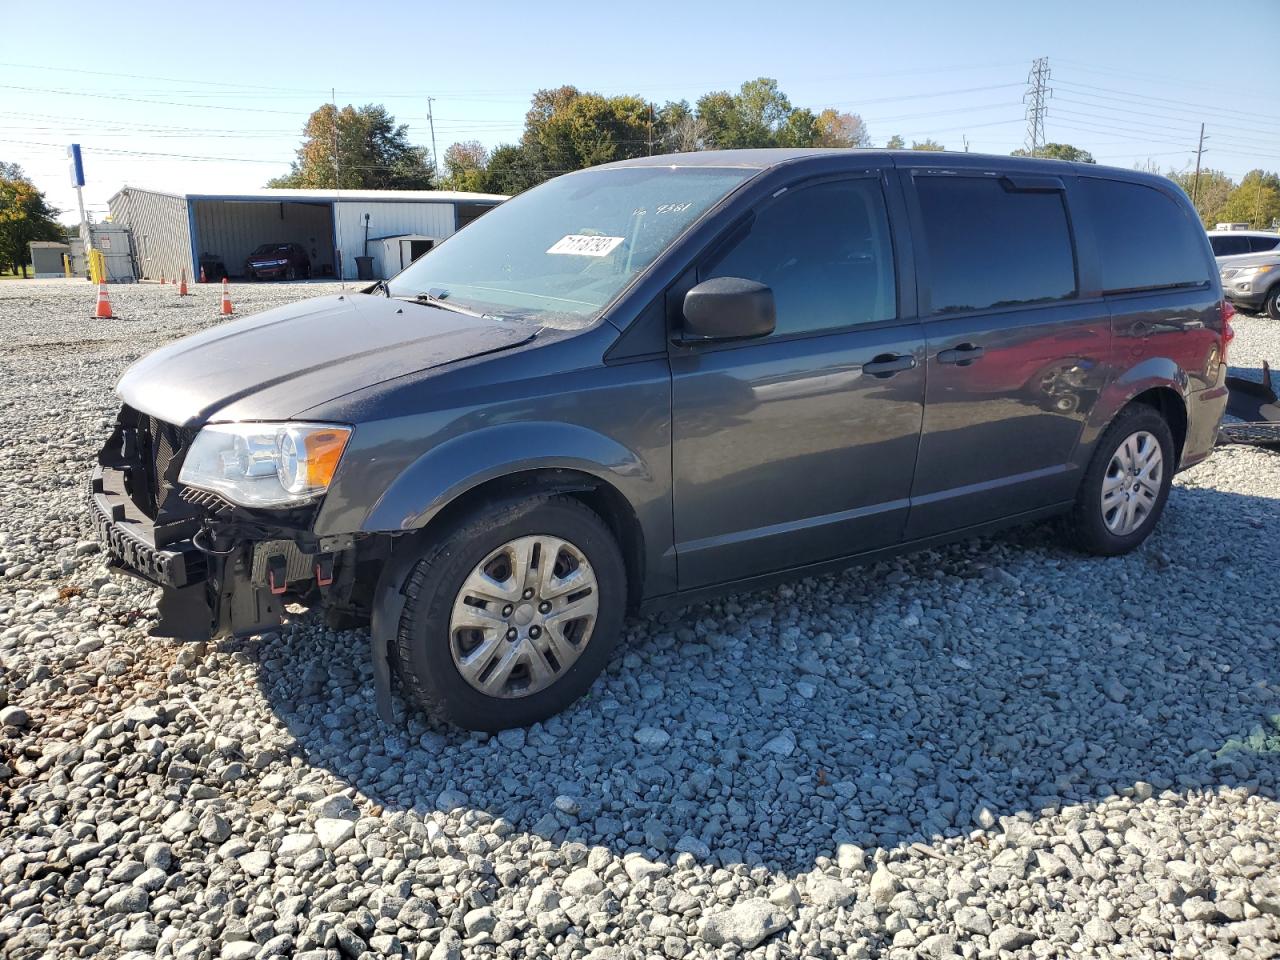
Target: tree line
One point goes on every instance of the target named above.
(567, 129)
(1255, 200)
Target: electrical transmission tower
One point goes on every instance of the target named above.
(1036, 98)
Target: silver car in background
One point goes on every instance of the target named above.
(1253, 282)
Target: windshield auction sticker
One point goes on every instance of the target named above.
(582, 245)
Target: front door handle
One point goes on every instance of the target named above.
(963, 354)
(887, 364)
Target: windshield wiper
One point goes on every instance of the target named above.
(441, 299)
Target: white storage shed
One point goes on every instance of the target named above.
(175, 232)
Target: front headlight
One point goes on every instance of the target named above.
(265, 464)
(1248, 273)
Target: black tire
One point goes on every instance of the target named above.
(422, 648)
(1086, 525)
(1271, 305)
(291, 273)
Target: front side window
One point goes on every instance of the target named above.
(824, 250)
(991, 245)
(557, 254)
(1146, 240)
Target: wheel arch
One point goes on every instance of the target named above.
(513, 461)
(598, 494)
(1158, 383)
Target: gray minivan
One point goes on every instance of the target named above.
(649, 381)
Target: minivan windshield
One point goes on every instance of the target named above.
(560, 252)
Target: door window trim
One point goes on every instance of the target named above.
(882, 175)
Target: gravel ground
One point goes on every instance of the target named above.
(994, 749)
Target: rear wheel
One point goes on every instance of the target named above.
(1124, 490)
(509, 617)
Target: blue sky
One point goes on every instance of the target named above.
(219, 106)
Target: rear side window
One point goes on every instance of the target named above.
(1229, 246)
(1146, 240)
(826, 253)
(1263, 244)
(992, 246)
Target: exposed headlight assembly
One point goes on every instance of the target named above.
(1248, 273)
(265, 464)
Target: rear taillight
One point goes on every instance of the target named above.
(1228, 331)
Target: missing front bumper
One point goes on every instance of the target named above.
(204, 593)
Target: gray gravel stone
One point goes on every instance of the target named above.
(745, 925)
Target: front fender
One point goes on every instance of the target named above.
(464, 462)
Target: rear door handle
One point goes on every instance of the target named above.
(887, 364)
(963, 354)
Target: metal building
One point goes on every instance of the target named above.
(173, 232)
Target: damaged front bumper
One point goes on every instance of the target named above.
(223, 570)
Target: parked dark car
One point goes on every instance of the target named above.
(660, 379)
(278, 261)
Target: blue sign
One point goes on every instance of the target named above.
(77, 165)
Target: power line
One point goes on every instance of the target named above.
(1178, 103)
(1090, 100)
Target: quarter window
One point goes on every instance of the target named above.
(1263, 244)
(990, 245)
(1145, 239)
(826, 253)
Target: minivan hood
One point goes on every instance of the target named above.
(276, 364)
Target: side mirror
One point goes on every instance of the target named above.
(729, 308)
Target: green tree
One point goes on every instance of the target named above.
(1211, 195)
(1059, 151)
(25, 215)
(512, 168)
(895, 142)
(591, 129)
(836, 129)
(926, 144)
(758, 115)
(464, 165)
(373, 151)
(1256, 201)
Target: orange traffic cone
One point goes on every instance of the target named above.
(226, 299)
(103, 311)
(203, 278)
(182, 287)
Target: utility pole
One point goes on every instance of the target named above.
(1036, 98)
(337, 192)
(651, 129)
(1195, 184)
(431, 121)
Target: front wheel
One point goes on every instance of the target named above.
(1271, 306)
(510, 616)
(1124, 490)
